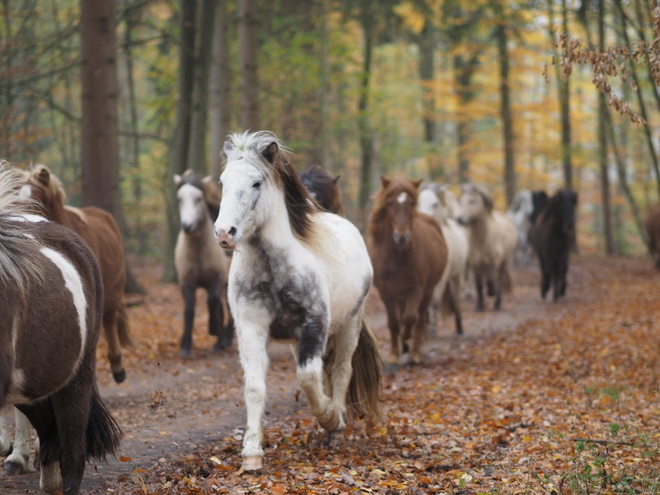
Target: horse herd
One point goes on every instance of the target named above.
(278, 261)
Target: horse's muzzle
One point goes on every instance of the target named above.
(226, 238)
(401, 240)
(188, 227)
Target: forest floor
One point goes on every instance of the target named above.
(538, 398)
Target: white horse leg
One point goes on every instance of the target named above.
(18, 461)
(254, 360)
(5, 443)
(51, 478)
(310, 377)
(342, 369)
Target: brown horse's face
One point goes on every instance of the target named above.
(400, 209)
(38, 188)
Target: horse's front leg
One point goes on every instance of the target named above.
(417, 321)
(188, 293)
(5, 441)
(111, 332)
(252, 341)
(479, 285)
(395, 338)
(17, 462)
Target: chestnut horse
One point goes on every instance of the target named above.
(50, 319)
(409, 255)
(100, 231)
(323, 188)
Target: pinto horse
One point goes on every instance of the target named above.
(551, 237)
(100, 231)
(409, 254)
(323, 188)
(198, 259)
(298, 275)
(50, 319)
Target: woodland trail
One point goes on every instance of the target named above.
(534, 398)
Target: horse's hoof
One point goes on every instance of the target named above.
(185, 353)
(119, 376)
(252, 463)
(13, 468)
(217, 348)
(332, 424)
(392, 368)
(459, 330)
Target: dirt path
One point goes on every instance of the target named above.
(203, 395)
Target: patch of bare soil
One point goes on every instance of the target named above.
(500, 409)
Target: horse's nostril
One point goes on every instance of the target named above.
(232, 231)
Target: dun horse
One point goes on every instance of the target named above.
(409, 254)
(492, 238)
(100, 231)
(199, 261)
(48, 341)
(323, 188)
(298, 275)
(552, 237)
(440, 203)
(653, 229)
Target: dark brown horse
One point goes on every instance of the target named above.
(409, 256)
(552, 237)
(323, 188)
(653, 229)
(100, 231)
(50, 319)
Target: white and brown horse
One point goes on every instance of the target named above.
(493, 238)
(298, 275)
(199, 260)
(50, 319)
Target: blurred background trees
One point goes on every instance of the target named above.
(433, 89)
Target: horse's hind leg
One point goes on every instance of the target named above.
(453, 293)
(479, 285)
(111, 333)
(188, 319)
(17, 462)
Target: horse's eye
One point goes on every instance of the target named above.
(257, 184)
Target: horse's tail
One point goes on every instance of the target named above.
(123, 328)
(103, 434)
(364, 388)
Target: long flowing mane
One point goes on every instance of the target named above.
(14, 266)
(378, 226)
(267, 153)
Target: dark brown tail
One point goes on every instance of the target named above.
(364, 389)
(103, 433)
(123, 329)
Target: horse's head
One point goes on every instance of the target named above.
(194, 204)
(475, 202)
(259, 183)
(565, 203)
(44, 188)
(395, 203)
(323, 188)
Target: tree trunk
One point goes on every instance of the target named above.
(506, 113)
(200, 97)
(463, 72)
(100, 151)
(220, 85)
(366, 136)
(248, 42)
(180, 137)
(324, 82)
(426, 76)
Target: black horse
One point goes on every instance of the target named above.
(552, 236)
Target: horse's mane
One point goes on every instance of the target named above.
(212, 194)
(389, 187)
(266, 152)
(14, 242)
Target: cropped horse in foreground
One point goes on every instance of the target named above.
(323, 188)
(198, 259)
(100, 232)
(552, 237)
(409, 254)
(50, 319)
(492, 237)
(438, 202)
(298, 275)
(523, 211)
(653, 229)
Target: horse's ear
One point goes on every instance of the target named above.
(488, 200)
(417, 183)
(336, 179)
(43, 175)
(270, 151)
(384, 181)
(228, 147)
(177, 180)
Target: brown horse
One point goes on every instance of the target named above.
(653, 229)
(100, 231)
(409, 256)
(323, 188)
(50, 319)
